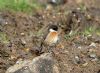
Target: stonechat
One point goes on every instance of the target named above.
(51, 38)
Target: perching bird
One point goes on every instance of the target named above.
(50, 39)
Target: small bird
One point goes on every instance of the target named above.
(51, 38)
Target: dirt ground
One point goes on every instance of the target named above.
(20, 33)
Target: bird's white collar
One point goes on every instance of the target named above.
(51, 30)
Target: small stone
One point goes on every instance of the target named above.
(23, 41)
(85, 64)
(92, 55)
(76, 57)
(92, 44)
(22, 34)
(6, 22)
(77, 60)
(78, 8)
(79, 47)
(95, 59)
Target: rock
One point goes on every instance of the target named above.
(41, 64)
(93, 57)
(23, 70)
(92, 44)
(19, 64)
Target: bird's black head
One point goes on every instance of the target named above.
(54, 27)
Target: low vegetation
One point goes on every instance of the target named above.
(20, 5)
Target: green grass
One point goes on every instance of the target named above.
(88, 31)
(19, 5)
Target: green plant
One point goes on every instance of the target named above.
(89, 31)
(19, 5)
(82, 7)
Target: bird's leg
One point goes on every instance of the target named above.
(41, 49)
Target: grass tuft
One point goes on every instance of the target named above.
(90, 31)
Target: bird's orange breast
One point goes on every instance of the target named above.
(51, 38)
